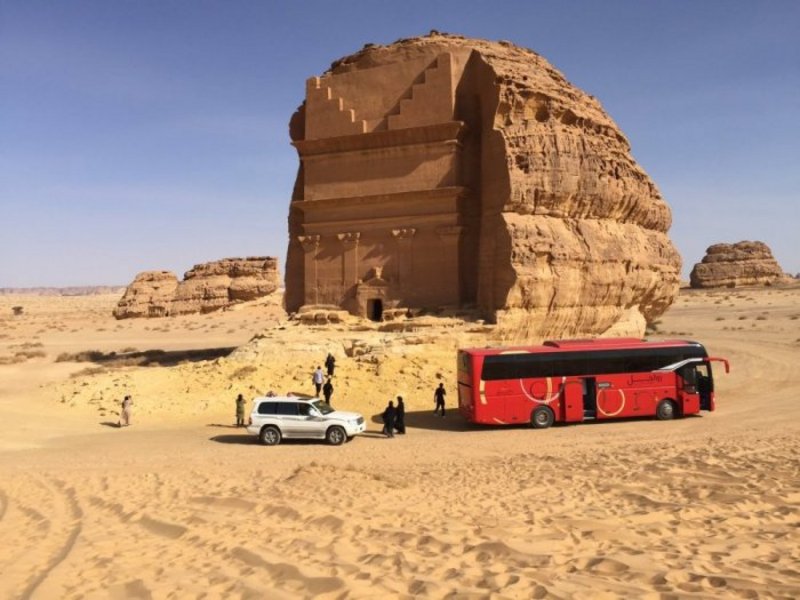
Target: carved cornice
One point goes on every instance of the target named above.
(450, 131)
(430, 196)
(448, 230)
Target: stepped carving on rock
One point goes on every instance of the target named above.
(205, 288)
(444, 171)
(740, 264)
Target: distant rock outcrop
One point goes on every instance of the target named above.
(150, 295)
(81, 290)
(732, 265)
(205, 288)
(445, 171)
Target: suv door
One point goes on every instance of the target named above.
(289, 419)
(311, 424)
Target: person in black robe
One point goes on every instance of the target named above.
(389, 414)
(400, 416)
(327, 391)
(330, 364)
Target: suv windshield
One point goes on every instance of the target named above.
(323, 408)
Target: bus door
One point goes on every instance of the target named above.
(576, 399)
(589, 398)
(705, 386)
(696, 387)
(705, 381)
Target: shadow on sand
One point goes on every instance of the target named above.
(243, 439)
(114, 424)
(424, 419)
(252, 440)
(147, 358)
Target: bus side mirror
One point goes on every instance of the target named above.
(722, 360)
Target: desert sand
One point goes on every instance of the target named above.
(182, 504)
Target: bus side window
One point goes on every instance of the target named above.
(689, 375)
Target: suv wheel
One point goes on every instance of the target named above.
(336, 436)
(270, 436)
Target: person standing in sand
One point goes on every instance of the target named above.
(327, 391)
(330, 364)
(318, 378)
(400, 416)
(388, 419)
(240, 402)
(125, 413)
(438, 397)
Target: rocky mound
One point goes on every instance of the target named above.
(205, 288)
(732, 265)
(150, 295)
(562, 232)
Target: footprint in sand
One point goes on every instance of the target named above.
(162, 528)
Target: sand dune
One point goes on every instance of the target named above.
(183, 505)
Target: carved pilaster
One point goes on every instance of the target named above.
(349, 238)
(404, 234)
(310, 245)
(449, 276)
(404, 237)
(349, 241)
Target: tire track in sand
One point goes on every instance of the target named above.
(71, 515)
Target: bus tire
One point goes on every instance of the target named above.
(542, 417)
(666, 410)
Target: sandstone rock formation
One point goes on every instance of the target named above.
(732, 265)
(205, 287)
(150, 295)
(446, 171)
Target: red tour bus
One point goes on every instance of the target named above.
(569, 381)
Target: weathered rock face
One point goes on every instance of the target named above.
(451, 171)
(150, 295)
(205, 288)
(732, 265)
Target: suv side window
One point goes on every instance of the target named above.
(287, 408)
(304, 409)
(268, 408)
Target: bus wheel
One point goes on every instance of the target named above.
(542, 417)
(666, 410)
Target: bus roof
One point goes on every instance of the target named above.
(583, 345)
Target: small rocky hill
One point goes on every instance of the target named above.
(205, 287)
(733, 265)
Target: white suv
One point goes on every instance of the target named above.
(276, 417)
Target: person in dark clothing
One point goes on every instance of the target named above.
(400, 416)
(438, 396)
(389, 414)
(327, 391)
(330, 364)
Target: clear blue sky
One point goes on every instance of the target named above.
(154, 135)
